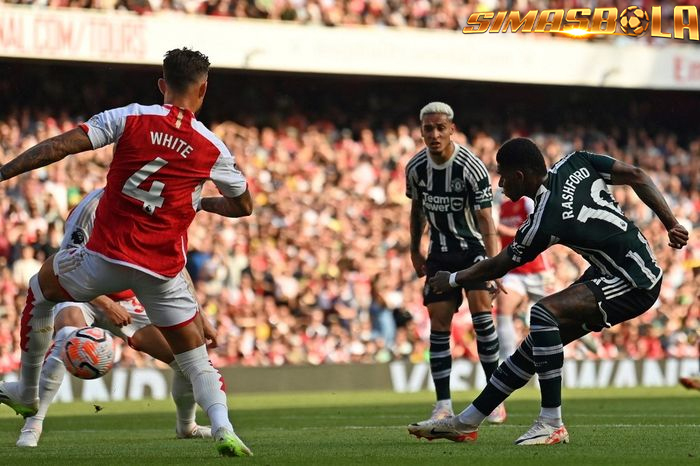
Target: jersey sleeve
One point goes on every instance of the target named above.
(529, 242)
(411, 186)
(77, 228)
(81, 221)
(601, 163)
(226, 176)
(107, 127)
(481, 183)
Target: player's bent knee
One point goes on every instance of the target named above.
(149, 340)
(481, 299)
(183, 339)
(550, 308)
(441, 316)
(69, 316)
(49, 284)
(136, 341)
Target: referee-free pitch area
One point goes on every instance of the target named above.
(612, 426)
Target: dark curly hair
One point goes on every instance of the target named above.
(182, 67)
(521, 154)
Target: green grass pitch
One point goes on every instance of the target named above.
(616, 427)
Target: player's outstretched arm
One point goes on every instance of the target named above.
(47, 152)
(240, 206)
(482, 271)
(623, 173)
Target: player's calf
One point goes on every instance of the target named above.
(207, 384)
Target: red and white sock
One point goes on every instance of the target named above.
(35, 338)
(52, 374)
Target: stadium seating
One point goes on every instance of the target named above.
(321, 274)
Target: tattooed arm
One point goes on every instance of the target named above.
(240, 206)
(623, 173)
(47, 152)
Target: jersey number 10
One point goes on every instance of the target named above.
(586, 212)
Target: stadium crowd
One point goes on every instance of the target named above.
(431, 14)
(321, 272)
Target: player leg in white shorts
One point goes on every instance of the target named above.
(80, 275)
(522, 288)
(143, 336)
(139, 333)
(68, 317)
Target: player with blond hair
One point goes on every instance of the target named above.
(450, 191)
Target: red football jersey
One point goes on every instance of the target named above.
(513, 214)
(162, 157)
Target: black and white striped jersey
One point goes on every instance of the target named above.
(574, 207)
(450, 194)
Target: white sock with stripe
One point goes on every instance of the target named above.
(35, 339)
(207, 384)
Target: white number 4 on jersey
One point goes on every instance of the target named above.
(151, 199)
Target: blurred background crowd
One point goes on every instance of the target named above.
(432, 14)
(321, 272)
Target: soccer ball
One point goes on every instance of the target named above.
(89, 353)
(634, 21)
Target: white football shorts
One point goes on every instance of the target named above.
(95, 317)
(85, 275)
(531, 285)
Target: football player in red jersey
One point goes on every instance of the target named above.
(162, 157)
(124, 316)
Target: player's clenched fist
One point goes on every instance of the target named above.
(440, 282)
(677, 236)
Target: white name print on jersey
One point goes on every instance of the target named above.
(171, 142)
(569, 189)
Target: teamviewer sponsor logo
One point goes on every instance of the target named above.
(442, 203)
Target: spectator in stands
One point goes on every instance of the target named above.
(431, 14)
(324, 262)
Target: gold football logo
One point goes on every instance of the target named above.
(634, 21)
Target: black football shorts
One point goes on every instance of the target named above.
(618, 300)
(451, 262)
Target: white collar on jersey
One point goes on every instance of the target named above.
(446, 163)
